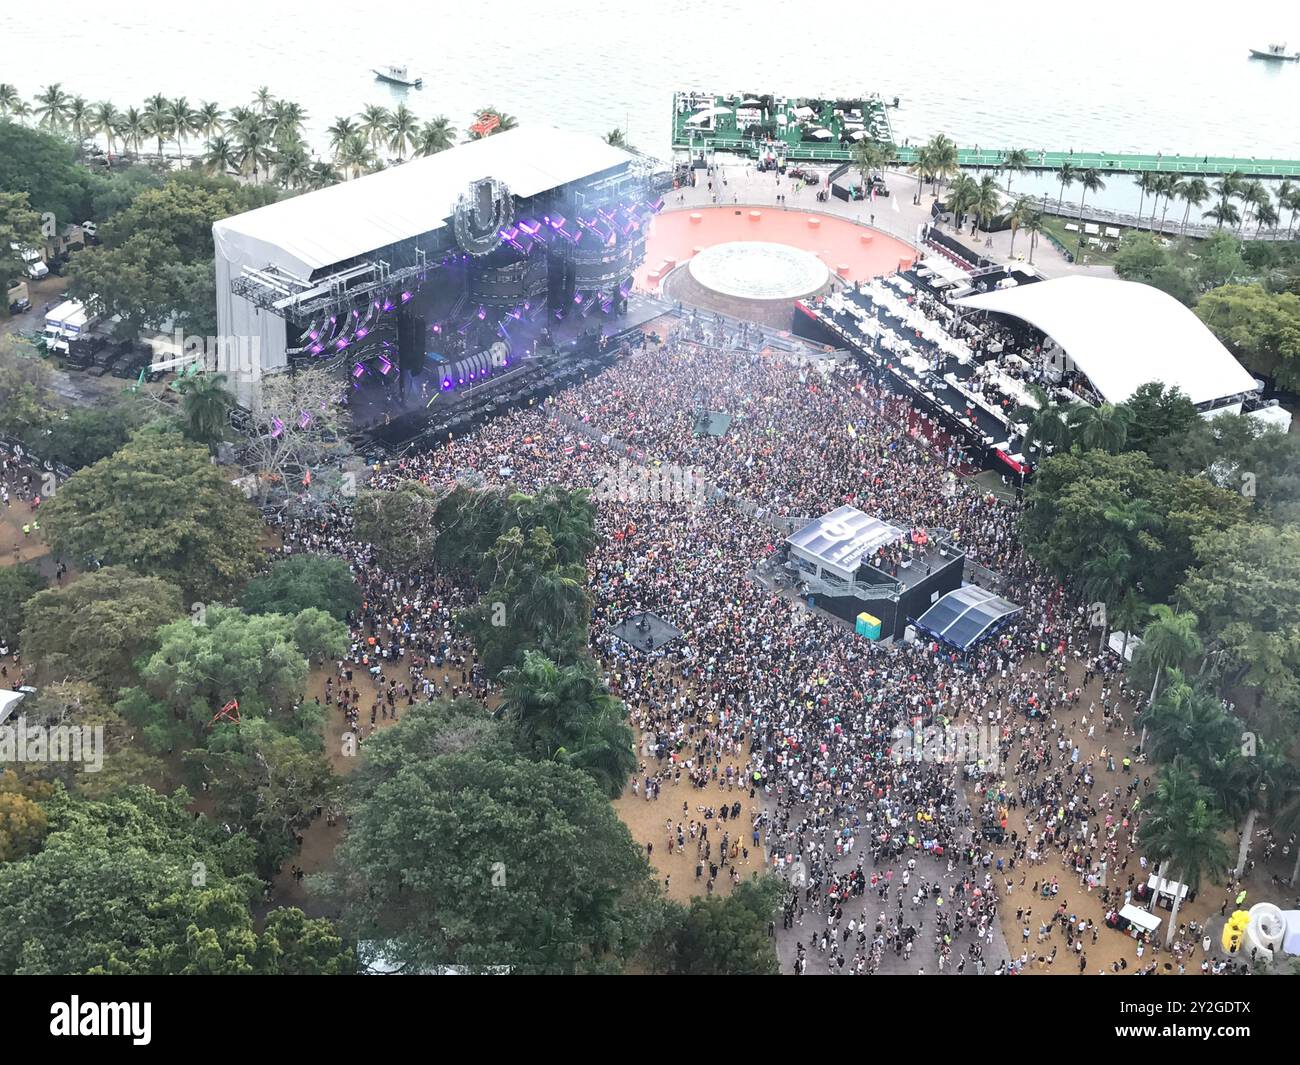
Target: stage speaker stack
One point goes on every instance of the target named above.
(410, 342)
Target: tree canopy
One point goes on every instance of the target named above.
(159, 506)
(95, 627)
(482, 861)
(300, 582)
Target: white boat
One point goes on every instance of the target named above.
(397, 75)
(1275, 52)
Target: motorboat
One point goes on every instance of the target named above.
(398, 76)
(1276, 52)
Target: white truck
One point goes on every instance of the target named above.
(32, 261)
(66, 322)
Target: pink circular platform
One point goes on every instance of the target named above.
(843, 245)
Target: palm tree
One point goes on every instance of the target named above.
(944, 159)
(183, 120)
(21, 110)
(1067, 175)
(221, 157)
(1291, 202)
(355, 155)
(1167, 642)
(323, 175)
(1033, 225)
(1016, 162)
(293, 167)
(343, 128)
(158, 119)
(79, 118)
(1130, 612)
(1143, 182)
(1193, 192)
(8, 98)
(1020, 213)
(287, 121)
(52, 106)
(105, 118)
(263, 99)
(987, 203)
(1172, 188)
(1189, 837)
(1104, 427)
(402, 129)
(208, 120)
(922, 166)
(133, 128)
(565, 713)
(1265, 217)
(1223, 212)
(1187, 721)
(254, 145)
(206, 405)
(1228, 187)
(961, 198)
(1045, 424)
(1252, 194)
(374, 124)
(615, 138)
(1089, 181)
(1104, 578)
(436, 135)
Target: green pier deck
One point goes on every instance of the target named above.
(796, 129)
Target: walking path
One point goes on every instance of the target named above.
(740, 183)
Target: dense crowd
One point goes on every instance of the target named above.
(783, 723)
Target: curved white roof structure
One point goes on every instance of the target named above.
(1122, 334)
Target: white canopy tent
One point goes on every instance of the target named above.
(1122, 335)
(707, 115)
(948, 270)
(1145, 920)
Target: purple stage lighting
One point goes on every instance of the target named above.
(358, 370)
(384, 365)
(446, 383)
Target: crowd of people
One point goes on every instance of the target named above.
(773, 713)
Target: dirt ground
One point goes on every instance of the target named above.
(1110, 945)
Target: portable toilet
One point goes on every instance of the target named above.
(868, 626)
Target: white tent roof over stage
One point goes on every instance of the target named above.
(320, 229)
(1122, 334)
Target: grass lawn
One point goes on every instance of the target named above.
(1055, 225)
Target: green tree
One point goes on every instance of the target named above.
(565, 713)
(399, 522)
(265, 783)
(95, 627)
(1192, 844)
(302, 581)
(722, 936)
(26, 398)
(84, 435)
(466, 859)
(1016, 162)
(1157, 413)
(1261, 328)
(161, 508)
(17, 586)
(1246, 593)
(206, 660)
(21, 226)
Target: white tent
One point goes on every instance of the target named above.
(821, 134)
(708, 114)
(1145, 920)
(948, 270)
(1122, 335)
